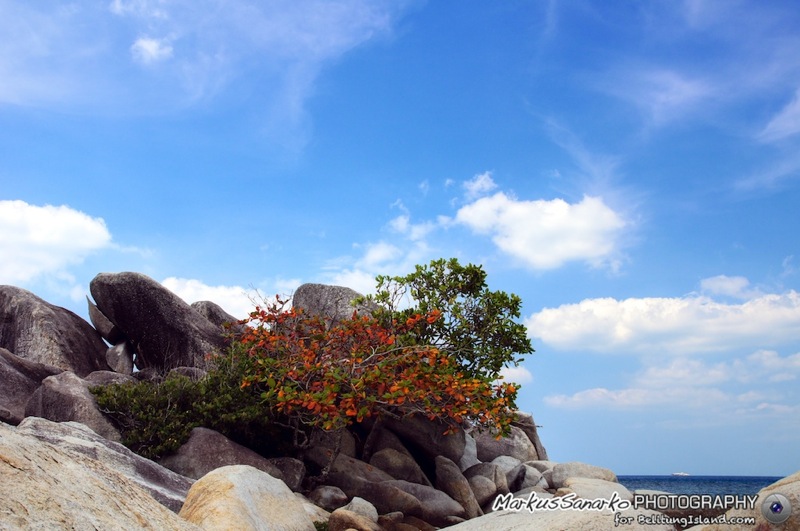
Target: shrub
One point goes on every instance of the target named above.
(156, 417)
(332, 377)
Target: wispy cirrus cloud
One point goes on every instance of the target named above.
(784, 124)
(49, 57)
(748, 383)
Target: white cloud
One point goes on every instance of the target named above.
(39, 240)
(669, 325)
(518, 374)
(233, 299)
(379, 258)
(602, 398)
(686, 383)
(479, 185)
(147, 50)
(737, 287)
(663, 95)
(413, 231)
(785, 123)
(546, 234)
(48, 58)
(767, 366)
(684, 372)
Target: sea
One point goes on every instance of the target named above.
(714, 485)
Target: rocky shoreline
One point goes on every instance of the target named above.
(63, 466)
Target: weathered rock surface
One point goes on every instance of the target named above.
(120, 358)
(164, 330)
(47, 486)
(470, 456)
(426, 437)
(526, 423)
(388, 498)
(483, 488)
(167, 487)
(329, 439)
(242, 497)
(452, 482)
(515, 445)
(436, 505)
(333, 303)
(214, 313)
(38, 331)
(346, 472)
(98, 378)
(290, 470)
(492, 472)
(362, 507)
(399, 466)
(19, 378)
(207, 450)
(344, 520)
(592, 489)
(65, 397)
(328, 497)
(562, 471)
(107, 330)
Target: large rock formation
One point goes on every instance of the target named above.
(65, 397)
(165, 486)
(48, 486)
(333, 303)
(517, 444)
(19, 379)
(207, 450)
(163, 329)
(38, 331)
(562, 471)
(242, 497)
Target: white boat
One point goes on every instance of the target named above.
(681, 474)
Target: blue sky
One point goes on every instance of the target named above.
(630, 169)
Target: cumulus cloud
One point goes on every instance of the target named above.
(737, 287)
(379, 258)
(147, 50)
(546, 234)
(785, 123)
(39, 240)
(479, 185)
(668, 325)
(235, 300)
(519, 375)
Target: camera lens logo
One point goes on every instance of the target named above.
(776, 508)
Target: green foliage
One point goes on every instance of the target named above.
(156, 417)
(478, 327)
(321, 526)
(332, 377)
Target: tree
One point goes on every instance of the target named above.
(331, 377)
(477, 327)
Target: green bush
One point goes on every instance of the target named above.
(156, 417)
